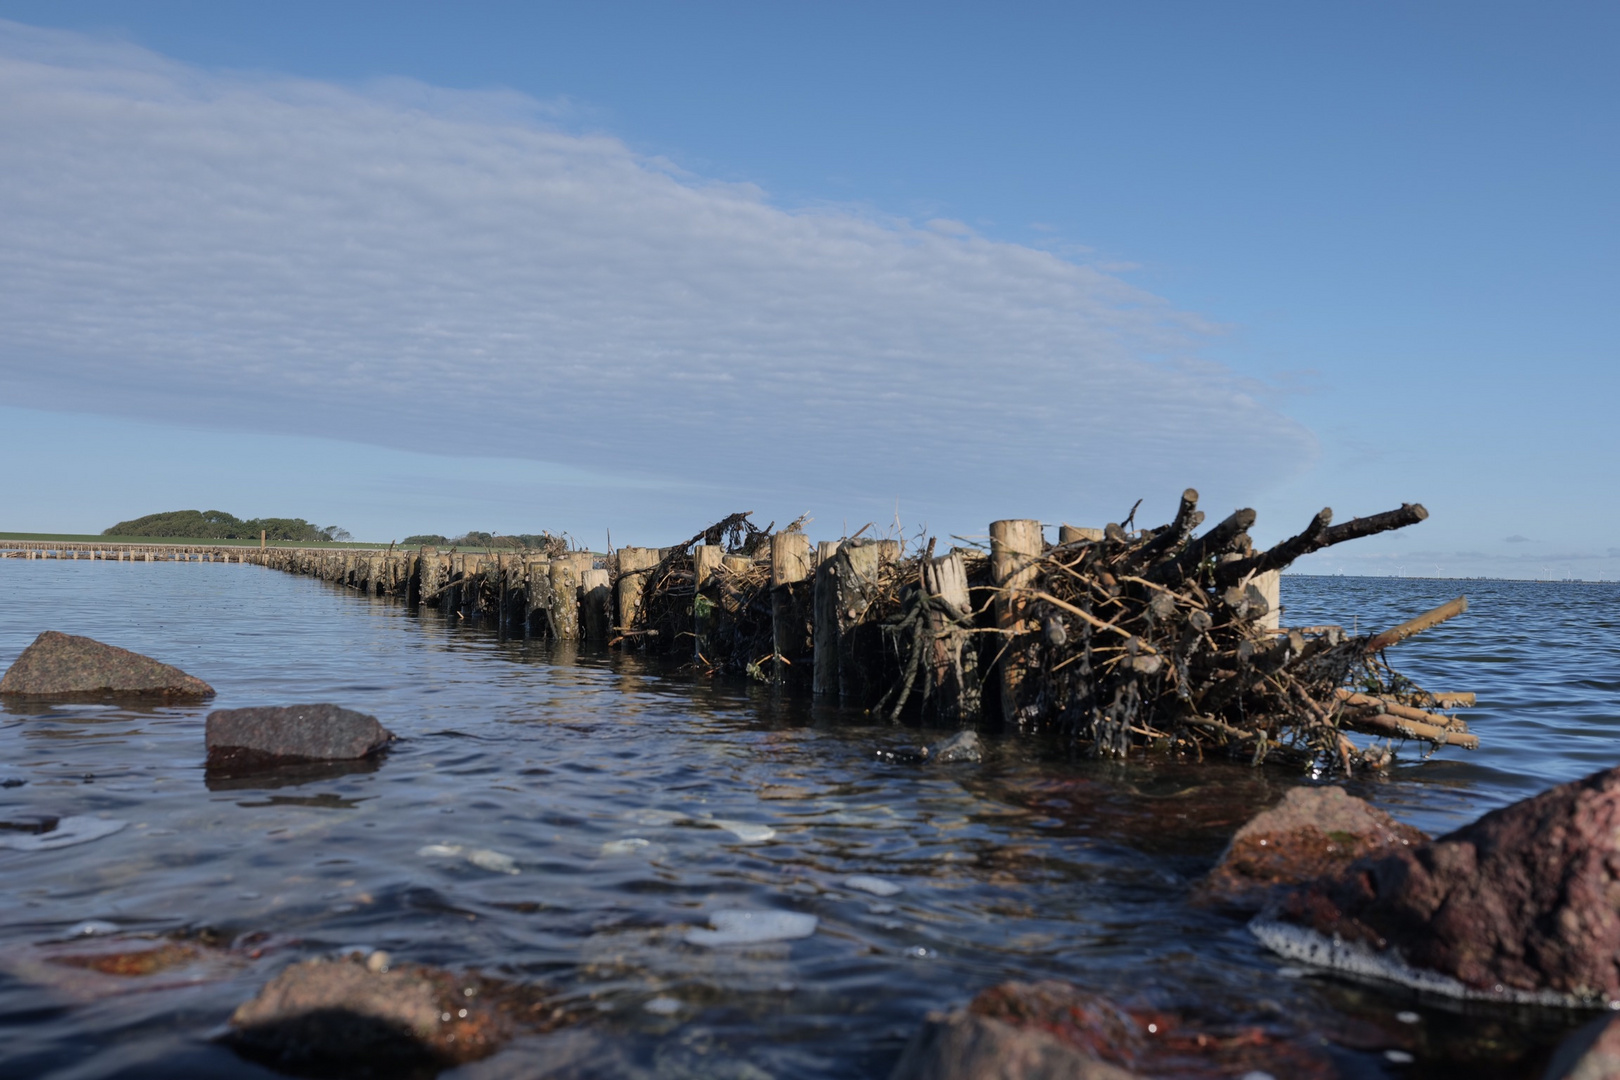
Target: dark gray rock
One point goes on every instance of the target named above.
(66, 667)
(290, 734)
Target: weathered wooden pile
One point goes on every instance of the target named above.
(1117, 639)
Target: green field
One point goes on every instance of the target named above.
(174, 541)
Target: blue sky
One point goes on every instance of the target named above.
(521, 266)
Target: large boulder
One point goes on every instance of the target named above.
(1312, 832)
(290, 734)
(354, 1017)
(1523, 903)
(1053, 1030)
(65, 666)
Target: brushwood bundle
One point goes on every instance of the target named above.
(1117, 639)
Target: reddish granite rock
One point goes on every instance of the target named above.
(1313, 832)
(1051, 1029)
(292, 733)
(962, 1046)
(351, 1017)
(1591, 1053)
(1524, 900)
(67, 667)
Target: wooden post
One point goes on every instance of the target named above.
(954, 665)
(634, 564)
(565, 574)
(1071, 534)
(537, 595)
(1014, 547)
(430, 576)
(596, 609)
(790, 607)
(824, 675)
(859, 641)
(705, 561)
(1270, 586)
(262, 535)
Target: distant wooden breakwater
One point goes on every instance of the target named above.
(1123, 638)
(80, 549)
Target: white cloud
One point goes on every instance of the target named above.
(416, 267)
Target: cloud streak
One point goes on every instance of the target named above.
(414, 267)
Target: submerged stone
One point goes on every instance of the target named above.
(345, 1017)
(65, 666)
(1311, 833)
(270, 736)
(1049, 1030)
(1522, 904)
(963, 746)
(60, 833)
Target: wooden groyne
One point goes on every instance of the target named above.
(80, 549)
(1121, 638)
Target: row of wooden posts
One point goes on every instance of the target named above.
(823, 599)
(39, 549)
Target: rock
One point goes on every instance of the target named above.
(963, 746)
(962, 1046)
(1591, 1053)
(327, 1017)
(1523, 903)
(1313, 832)
(108, 963)
(292, 733)
(63, 666)
(1051, 1029)
(51, 833)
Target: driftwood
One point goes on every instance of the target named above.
(1118, 640)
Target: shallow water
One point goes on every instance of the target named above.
(578, 819)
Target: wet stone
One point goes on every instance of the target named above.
(292, 733)
(33, 824)
(1051, 1029)
(1519, 904)
(66, 667)
(1312, 832)
(347, 1018)
(963, 746)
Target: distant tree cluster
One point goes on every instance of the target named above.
(218, 525)
(475, 539)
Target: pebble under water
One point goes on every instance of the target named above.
(717, 881)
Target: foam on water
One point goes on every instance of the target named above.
(1300, 943)
(869, 884)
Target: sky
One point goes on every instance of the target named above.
(620, 270)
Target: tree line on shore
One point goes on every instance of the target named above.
(218, 525)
